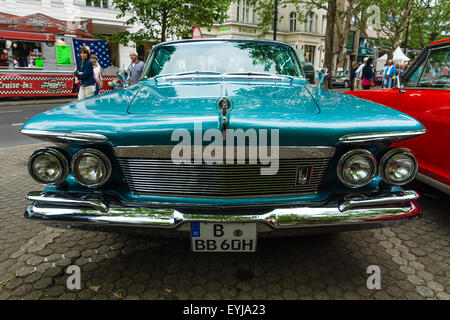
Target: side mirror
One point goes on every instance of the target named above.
(123, 77)
(399, 84)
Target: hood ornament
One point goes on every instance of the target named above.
(224, 105)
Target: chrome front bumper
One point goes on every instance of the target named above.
(353, 212)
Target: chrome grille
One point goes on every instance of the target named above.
(163, 177)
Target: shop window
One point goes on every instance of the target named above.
(309, 53)
(351, 40)
(97, 3)
(27, 54)
(3, 54)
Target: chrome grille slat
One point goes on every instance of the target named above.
(163, 177)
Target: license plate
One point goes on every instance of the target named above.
(223, 237)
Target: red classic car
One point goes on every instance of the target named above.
(424, 93)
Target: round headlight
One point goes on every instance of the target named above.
(91, 167)
(48, 166)
(398, 166)
(356, 168)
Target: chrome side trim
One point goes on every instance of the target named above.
(41, 197)
(396, 205)
(434, 183)
(399, 197)
(383, 136)
(164, 152)
(64, 136)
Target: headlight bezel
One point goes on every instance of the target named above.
(99, 156)
(59, 156)
(351, 154)
(391, 154)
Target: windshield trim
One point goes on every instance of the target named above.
(162, 44)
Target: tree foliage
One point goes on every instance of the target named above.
(432, 25)
(159, 18)
(265, 11)
(394, 16)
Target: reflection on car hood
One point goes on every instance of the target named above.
(200, 97)
(304, 115)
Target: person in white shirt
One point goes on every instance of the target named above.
(359, 74)
(97, 73)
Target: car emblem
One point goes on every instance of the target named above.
(224, 106)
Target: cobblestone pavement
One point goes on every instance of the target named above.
(414, 258)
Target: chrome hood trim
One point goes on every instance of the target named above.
(54, 136)
(361, 138)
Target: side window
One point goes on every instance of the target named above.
(434, 73)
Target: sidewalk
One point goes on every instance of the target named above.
(8, 102)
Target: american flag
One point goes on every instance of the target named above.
(98, 47)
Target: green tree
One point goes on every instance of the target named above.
(393, 17)
(345, 13)
(432, 25)
(265, 11)
(159, 18)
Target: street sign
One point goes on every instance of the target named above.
(365, 51)
(196, 33)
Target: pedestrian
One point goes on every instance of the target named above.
(85, 74)
(389, 73)
(353, 75)
(97, 74)
(135, 68)
(367, 74)
(359, 73)
(445, 70)
(402, 69)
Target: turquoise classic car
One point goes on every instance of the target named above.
(223, 141)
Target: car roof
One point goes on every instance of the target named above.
(222, 39)
(440, 41)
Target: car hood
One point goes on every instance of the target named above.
(201, 97)
(303, 114)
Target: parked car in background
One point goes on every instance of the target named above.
(144, 156)
(340, 79)
(308, 69)
(425, 95)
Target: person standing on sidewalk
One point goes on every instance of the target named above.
(97, 73)
(389, 73)
(85, 74)
(358, 74)
(135, 68)
(353, 75)
(367, 74)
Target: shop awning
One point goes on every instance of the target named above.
(4, 34)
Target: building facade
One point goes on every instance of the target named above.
(307, 38)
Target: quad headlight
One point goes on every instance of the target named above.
(91, 167)
(398, 166)
(356, 168)
(48, 166)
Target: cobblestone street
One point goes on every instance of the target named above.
(414, 258)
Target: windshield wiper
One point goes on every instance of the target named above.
(250, 73)
(187, 73)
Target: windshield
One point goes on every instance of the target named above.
(224, 57)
